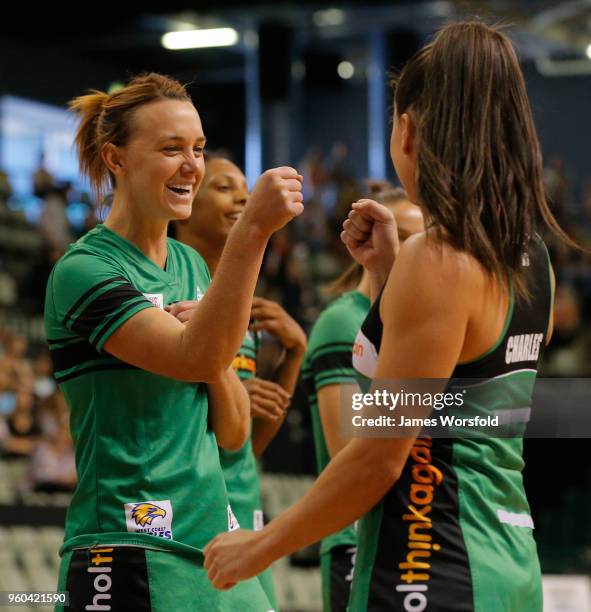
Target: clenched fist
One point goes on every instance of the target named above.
(275, 200)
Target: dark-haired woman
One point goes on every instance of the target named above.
(146, 429)
(218, 205)
(447, 524)
(327, 368)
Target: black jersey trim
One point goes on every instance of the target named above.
(96, 341)
(329, 345)
(332, 361)
(67, 357)
(69, 340)
(88, 293)
(97, 368)
(98, 310)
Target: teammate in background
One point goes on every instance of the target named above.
(327, 367)
(218, 205)
(446, 522)
(151, 491)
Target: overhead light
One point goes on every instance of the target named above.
(198, 39)
(345, 70)
(329, 17)
(588, 51)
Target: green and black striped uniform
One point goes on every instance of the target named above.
(149, 474)
(328, 362)
(240, 468)
(455, 531)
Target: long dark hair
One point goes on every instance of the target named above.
(479, 162)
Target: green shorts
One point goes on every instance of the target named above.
(124, 578)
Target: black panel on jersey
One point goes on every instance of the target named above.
(342, 566)
(372, 328)
(108, 576)
(74, 354)
(528, 320)
(449, 582)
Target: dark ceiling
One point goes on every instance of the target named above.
(53, 53)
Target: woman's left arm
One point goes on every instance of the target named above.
(229, 411)
(424, 329)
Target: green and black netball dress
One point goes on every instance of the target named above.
(455, 532)
(149, 474)
(240, 468)
(328, 362)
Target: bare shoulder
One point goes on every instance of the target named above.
(427, 260)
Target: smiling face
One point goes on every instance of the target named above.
(219, 202)
(161, 166)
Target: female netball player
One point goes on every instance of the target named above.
(446, 523)
(151, 491)
(218, 205)
(327, 367)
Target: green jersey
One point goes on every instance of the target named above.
(148, 465)
(455, 531)
(328, 361)
(240, 469)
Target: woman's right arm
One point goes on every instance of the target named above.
(204, 348)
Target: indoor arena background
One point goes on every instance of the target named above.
(302, 84)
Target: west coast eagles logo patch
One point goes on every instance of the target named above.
(145, 513)
(150, 517)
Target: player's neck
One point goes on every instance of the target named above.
(148, 234)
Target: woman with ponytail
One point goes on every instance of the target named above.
(446, 523)
(151, 398)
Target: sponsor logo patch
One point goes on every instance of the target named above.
(151, 517)
(156, 298)
(232, 520)
(258, 521)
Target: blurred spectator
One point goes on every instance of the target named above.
(44, 385)
(281, 273)
(5, 188)
(557, 188)
(314, 172)
(54, 225)
(15, 371)
(32, 286)
(19, 432)
(569, 351)
(42, 180)
(53, 467)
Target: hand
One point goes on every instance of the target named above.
(270, 316)
(268, 400)
(182, 310)
(275, 200)
(371, 236)
(234, 556)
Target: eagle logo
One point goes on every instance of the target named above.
(145, 513)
